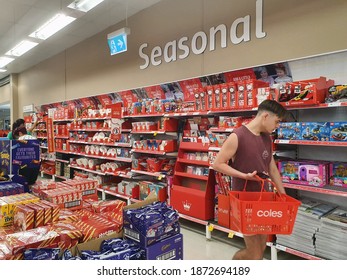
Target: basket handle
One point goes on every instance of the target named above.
(262, 183)
(276, 191)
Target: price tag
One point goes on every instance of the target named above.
(160, 177)
(155, 133)
(231, 234)
(334, 104)
(210, 227)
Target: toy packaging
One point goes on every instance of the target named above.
(304, 172)
(289, 131)
(315, 131)
(338, 174)
(338, 131)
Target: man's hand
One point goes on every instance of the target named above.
(251, 176)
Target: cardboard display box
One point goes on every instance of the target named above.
(94, 244)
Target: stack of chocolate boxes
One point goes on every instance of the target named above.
(155, 228)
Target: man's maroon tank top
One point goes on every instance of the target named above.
(254, 153)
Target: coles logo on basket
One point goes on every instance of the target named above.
(269, 213)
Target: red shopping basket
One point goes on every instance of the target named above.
(263, 212)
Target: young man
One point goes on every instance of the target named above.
(249, 149)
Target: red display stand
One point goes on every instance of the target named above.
(193, 194)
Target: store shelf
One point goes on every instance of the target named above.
(87, 170)
(94, 119)
(295, 252)
(154, 152)
(60, 177)
(232, 110)
(125, 145)
(116, 194)
(227, 230)
(319, 106)
(330, 190)
(153, 174)
(119, 174)
(63, 120)
(43, 147)
(186, 114)
(217, 129)
(195, 220)
(91, 129)
(96, 156)
(195, 162)
(210, 226)
(143, 115)
(311, 143)
(193, 176)
(62, 160)
(155, 132)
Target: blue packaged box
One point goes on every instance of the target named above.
(338, 131)
(151, 223)
(167, 249)
(315, 131)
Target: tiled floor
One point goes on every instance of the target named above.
(197, 247)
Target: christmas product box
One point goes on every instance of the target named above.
(55, 210)
(70, 234)
(42, 237)
(23, 218)
(39, 214)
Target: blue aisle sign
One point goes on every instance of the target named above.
(118, 44)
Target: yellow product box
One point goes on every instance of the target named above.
(11, 201)
(5, 218)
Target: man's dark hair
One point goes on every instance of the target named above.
(17, 123)
(274, 107)
(17, 131)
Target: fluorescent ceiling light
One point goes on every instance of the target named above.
(58, 22)
(5, 60)
(84, 5)
(2, 70)
(22, 48)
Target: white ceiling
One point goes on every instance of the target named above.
(19, 18)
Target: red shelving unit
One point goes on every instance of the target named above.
(193, 194)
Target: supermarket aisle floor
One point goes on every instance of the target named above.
(219, 247)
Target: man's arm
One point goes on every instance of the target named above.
(33, 125)
(227, 153)
(276, 176)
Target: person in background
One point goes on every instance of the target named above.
(249, 149)
(264, 76)
(19, 123)
(282, 76)
(21, 133)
